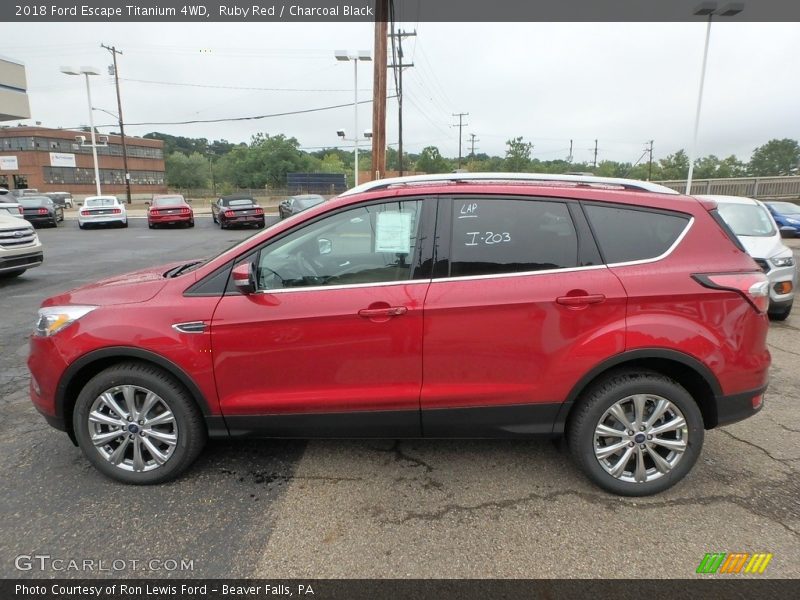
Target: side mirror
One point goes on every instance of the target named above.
(244, 277)
(325, 246)
(147, 203)
(188, 201)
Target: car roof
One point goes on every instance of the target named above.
(101, 197)
(720, 199)
(509, 179)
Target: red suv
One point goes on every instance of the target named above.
(613, 312)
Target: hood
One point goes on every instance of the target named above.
(762, 247)
(128, 288)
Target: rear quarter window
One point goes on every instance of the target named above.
(626, 234)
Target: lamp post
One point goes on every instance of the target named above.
(708, 8)
(361, 55)
(86, 72)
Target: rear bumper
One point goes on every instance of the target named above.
(736, 407)
(166, 219)
(248, 220)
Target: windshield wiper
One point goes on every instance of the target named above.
(183, 268)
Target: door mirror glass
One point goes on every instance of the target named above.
(325, 246)
(243, 278)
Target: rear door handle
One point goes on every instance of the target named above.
(581, 300)
(389, 311)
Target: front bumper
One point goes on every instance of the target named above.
(22, 261)
(778, 276)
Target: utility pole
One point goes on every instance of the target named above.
(114, 53)
(460, 126)
(650, 161)
(569, 158)
(472, 140)
(398, 66)
(594, 164)
(379, 91)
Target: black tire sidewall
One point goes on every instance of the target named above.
(601, 398)
(173, 395)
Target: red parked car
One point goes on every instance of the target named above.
(169, 209)
(613, 312)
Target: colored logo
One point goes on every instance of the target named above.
(738, 562)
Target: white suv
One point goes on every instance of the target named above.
(20, 248)
(753, 224)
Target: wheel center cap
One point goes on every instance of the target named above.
(133, 428)
(639, 438)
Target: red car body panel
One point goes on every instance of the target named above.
(462, 342)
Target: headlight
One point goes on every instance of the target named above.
(782, 261)
(54, 318)
(793, 221)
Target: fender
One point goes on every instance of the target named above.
(628, 356)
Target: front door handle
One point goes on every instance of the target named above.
(584, 300)
(389, 311)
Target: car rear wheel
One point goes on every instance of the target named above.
(136, 424)
(636, 433)
(124, 223)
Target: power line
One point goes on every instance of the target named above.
(236, 87)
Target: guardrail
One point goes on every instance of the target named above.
(761, 188)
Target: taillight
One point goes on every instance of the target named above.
(85, 213)
(22, 212)
(259, 211)
(42, 211)
(186, 211)
(754, 287)
(228, 213)
(154, 212)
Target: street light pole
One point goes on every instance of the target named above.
(361, 55)
(86, 72)
(707, 8)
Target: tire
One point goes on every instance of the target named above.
(151, 226)
(80, 226)
(180, 438)
(222, 225)
(617, 390)
(191, 223)
(214, 218)
(55, 222)
(124, 224)
(781, 314)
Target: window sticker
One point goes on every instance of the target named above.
(393, 232)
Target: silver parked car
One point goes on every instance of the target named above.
(753, 224)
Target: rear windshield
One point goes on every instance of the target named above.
(100, 201)
(309, 201)
(242, 202)
(31, 201)
(626, 235)
(168, 201)
(749, 220)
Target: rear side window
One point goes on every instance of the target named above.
(626, 234)
(496, 236)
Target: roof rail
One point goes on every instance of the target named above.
(630, 184)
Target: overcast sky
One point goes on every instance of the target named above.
(619, 83)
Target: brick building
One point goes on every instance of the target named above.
(51, 160)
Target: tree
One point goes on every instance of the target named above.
(187, 171)
(431, 161)
(518, 155)
(674, 166)
(776, 157)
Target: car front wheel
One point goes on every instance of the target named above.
(636, 433)
(136, 424)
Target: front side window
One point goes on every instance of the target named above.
(370, 244)
(497, 236)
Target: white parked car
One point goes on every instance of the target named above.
(102, 210)
(755, 227)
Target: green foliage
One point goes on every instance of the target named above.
(776, 157)
(431, 161)
(674, 166)
(518, 156)
(193, 171)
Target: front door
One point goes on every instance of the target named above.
(330, 344)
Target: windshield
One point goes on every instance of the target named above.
(785, 207)
(308, 201)
(101, 201)
(33, 201)
(168, 201)
(747, 219)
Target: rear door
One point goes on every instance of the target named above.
(520, 306)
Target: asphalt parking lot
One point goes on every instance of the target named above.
(388, 508)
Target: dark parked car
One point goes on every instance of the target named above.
(62, 199)
(296, 204)
(41, 210)
(238, 209)
(787, 217)
(169, 209)
(617, 313)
